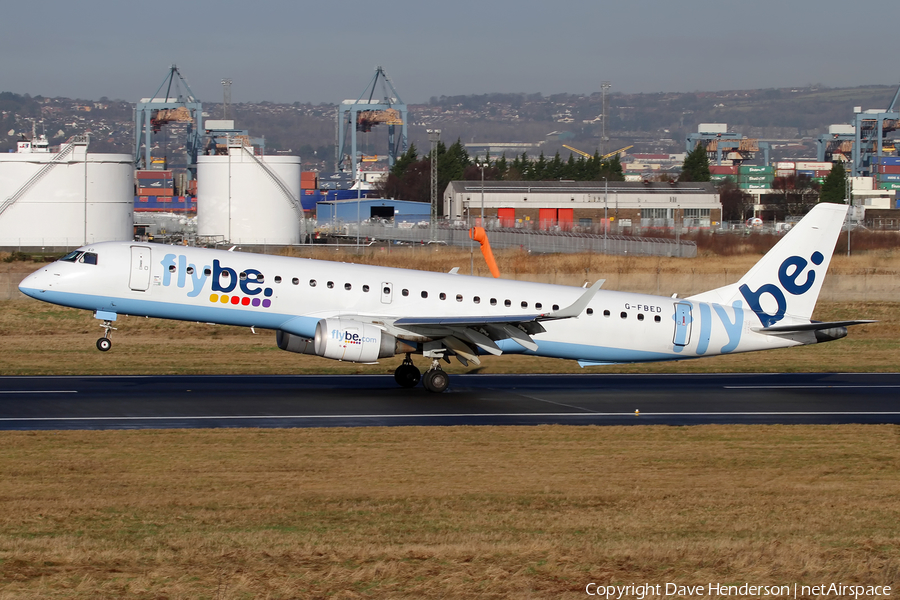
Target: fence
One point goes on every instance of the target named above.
(539, 242)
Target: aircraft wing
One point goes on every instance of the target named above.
(459, 334)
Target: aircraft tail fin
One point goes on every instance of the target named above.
(788, 279)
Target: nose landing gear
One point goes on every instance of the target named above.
(104, 343)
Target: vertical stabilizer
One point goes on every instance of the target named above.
(784, 285)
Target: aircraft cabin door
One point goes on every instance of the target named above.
(387, 292)
(140, 268)
(683, 322)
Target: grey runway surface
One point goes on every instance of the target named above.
(161, 402)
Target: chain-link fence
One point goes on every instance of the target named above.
(539, 242)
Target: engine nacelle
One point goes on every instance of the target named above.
(294, 343)
(346, 339)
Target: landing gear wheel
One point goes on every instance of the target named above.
(436, 381)
(407, 375)
(104, 344)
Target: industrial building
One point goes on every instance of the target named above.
(64, 199)
(367, 209)
(584, 205)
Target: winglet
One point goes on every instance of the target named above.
(577, 307)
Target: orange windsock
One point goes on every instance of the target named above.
(479, 235)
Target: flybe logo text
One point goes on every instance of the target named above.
(349, 337)
(224, 279)
(789, 273)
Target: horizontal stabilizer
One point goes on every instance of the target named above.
(817, 326)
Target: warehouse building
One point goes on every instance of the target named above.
(584, 205)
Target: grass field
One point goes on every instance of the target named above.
(455, 512)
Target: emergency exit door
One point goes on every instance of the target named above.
(140, 268)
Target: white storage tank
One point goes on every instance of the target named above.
(247, 199)
(65, 199)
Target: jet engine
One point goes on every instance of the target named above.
(345, 339)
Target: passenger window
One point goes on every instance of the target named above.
(524, 304)
(624, 315)
(243, 276)
(278, 279)
(477, 299)
(538, 305)
(640, 317)
(330, 284)
(459, 297)
(657, 319)
(493, 302)
(366, 289)
(312, 282)
(207, 272)
(507, 303)
(424, 294)
(605, 313)
(590, 311)
(404, 292)
(172, 269)
(556, 307)
(347, 286)
(296, 281)
(443, 296)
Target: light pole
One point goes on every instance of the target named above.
(605, 212)
(482, 165)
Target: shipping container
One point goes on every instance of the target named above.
(814, 166)
(891, 169)
(821, 173)
(717, 177)
(784, 172)
(886, 160)
(889, 177)
(755, 179)
(806, 173)
(786, 165)
(722, 170)
(754, 186)
(756, 169)
(167, 174)
(156, 191)
(889, 185)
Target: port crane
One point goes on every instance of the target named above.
(604, 157)
(366, 112)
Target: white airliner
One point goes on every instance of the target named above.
(361, 313)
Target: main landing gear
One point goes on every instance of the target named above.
(435, 379)
(104, 343)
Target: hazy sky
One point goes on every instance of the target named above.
(286, 51)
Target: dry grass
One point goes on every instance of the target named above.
(42, 339)
(458, 512)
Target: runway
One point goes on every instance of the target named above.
(163, 402)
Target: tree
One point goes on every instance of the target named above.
(733, 200)
(405, 160)
(695, 166)
(834, 188)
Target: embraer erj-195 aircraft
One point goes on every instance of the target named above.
(361, 313)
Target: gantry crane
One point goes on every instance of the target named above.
(604, 157)
(871, 128)
(177, 105)
(362, 114)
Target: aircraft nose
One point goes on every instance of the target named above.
(34, 284)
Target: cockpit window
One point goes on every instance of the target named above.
(89, 258)
(71, 256)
